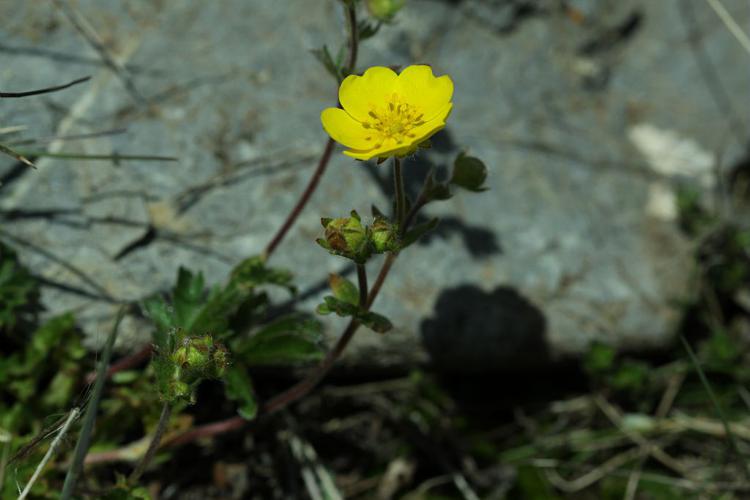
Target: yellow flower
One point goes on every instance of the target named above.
(385, 114)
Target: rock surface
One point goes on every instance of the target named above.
(586, 117)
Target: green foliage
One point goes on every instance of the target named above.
(334, 65)
(293, 339)
(372, 320)
(343, 289)
(39, 376)
(19, 291)
(624, 375)
(238, 387)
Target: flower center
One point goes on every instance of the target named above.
(394, 121)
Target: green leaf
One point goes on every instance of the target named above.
(323, 55)
(253, 272)
(372, 320)
(296, 338)
(375, 322)
(469, 173)
(188, 298)
(340, 307)
(220, 305)
(239, 387)
(343, 289)
(367, 29)
(161, 314)
(414, 234)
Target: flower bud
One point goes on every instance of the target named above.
(384, 10)
(346, 237)
(384, 235)
(200, 357)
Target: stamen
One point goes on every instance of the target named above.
(372, 113)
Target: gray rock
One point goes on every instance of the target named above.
(587, 120)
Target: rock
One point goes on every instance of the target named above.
(578, 113)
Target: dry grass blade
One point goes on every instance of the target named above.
(51, 451)
(731, 440)
(16, 155)
(730, 23)
(84, 439)
(46, 90)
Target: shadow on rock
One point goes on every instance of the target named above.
(475, 331)
(480, 242)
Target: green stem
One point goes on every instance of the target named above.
(161, 427)
(398, 192)
(84, 440)
(362, 278)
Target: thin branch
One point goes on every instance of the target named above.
(161, 427)
(46, 90)
(362, 278)
(302, 202)
(325, 157)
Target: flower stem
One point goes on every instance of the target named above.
(161, 427)
(398, 192)
(362, 278)
(351, 24)
(303, 199)
(351, 17)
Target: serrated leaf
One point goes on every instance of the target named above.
(187, 297)
(289, 340)
(220, 305)
(238, 386)
(253, 272)
(343, 289)
(469, 173)
(414, 234)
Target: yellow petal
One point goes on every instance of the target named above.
(422, 89)
(428, 129)
(421, 134)
(361, 94)
(344, 129)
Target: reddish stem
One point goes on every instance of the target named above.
(124, 363)
(309, 190)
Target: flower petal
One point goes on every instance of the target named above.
(361, 94)
(422, 89)
(344, 129)
(429, 128)
(422, 133)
